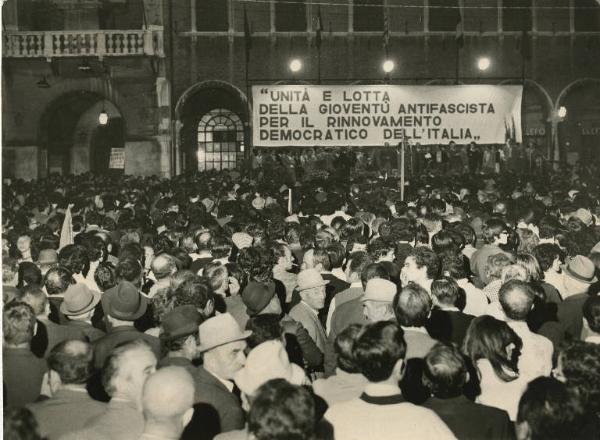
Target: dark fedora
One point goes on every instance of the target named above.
(181, 321)
(124, 302)
(581, 269)
(257, 295)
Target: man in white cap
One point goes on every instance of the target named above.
(222, 343)
(266, 361)
(311, 287)
(377, 300)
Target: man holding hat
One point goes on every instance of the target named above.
(78, 306)
(222, 343)
(122, 305)
(311, 287)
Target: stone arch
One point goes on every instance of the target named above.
(67, 128)
(193, 104)
(578, 135)
(210, 84)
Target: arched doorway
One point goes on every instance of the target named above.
(579, 132)
(72, 138)
(214, 129)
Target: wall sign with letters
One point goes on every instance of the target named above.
(307, 116)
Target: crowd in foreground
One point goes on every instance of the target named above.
(231, 306)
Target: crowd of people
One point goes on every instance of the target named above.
(264, 305)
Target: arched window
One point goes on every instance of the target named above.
(220, 140)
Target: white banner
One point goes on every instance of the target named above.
(308, 116)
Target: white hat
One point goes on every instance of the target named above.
(309, 279)
(379, 290)
(267, 361)
(220, 330)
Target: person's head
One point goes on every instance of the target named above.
(163, 266)
(344, 348)
(70, 363)
(197, 292)
(445, 292)
(493, 340)
(311, 287)
(20, 424)
(412, 306)
(168, 399)
(264, 327)
(179, 332)
(549, 256)
(495, 231)
(421, 265)
(548, 409)
(37, 299)
(18, 323)
(29, 275)
(578, 365)
(516, 299)
(531, 265)
(57, 280)
(467, 232)
(281, 411)
(495, 265)
(223, 343)
(10, 268)
(126, 370)
(377, 300)
(444, 242)
(528, 240)
(74, 258)
(283, 256)
(591, 313)
(379, 352)
(373, 270)
(129, 269)
(357, 261)
(381, 250)
(218, 277)
(445, 373)
(320, 260)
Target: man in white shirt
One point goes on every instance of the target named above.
(381, 411)
(516, 299)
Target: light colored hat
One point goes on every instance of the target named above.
(220, 330)
(258, 203)
(79, 299)
(585, 216)
(242, 240)
(267, 361)
(379, 290)
(581, 268)
(310, 278)
(208, 204)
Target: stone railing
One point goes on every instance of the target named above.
(49, 44)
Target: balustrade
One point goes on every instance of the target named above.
(25, 44)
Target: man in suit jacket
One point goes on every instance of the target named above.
(48, 334)
(319, 260)
(70, 407)
(128, 366)
(578, 274)
(447, 323)
(311, 287)
(412, 307)
(122, 305)
(22, 371)
(217, 407)
(445, 376)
